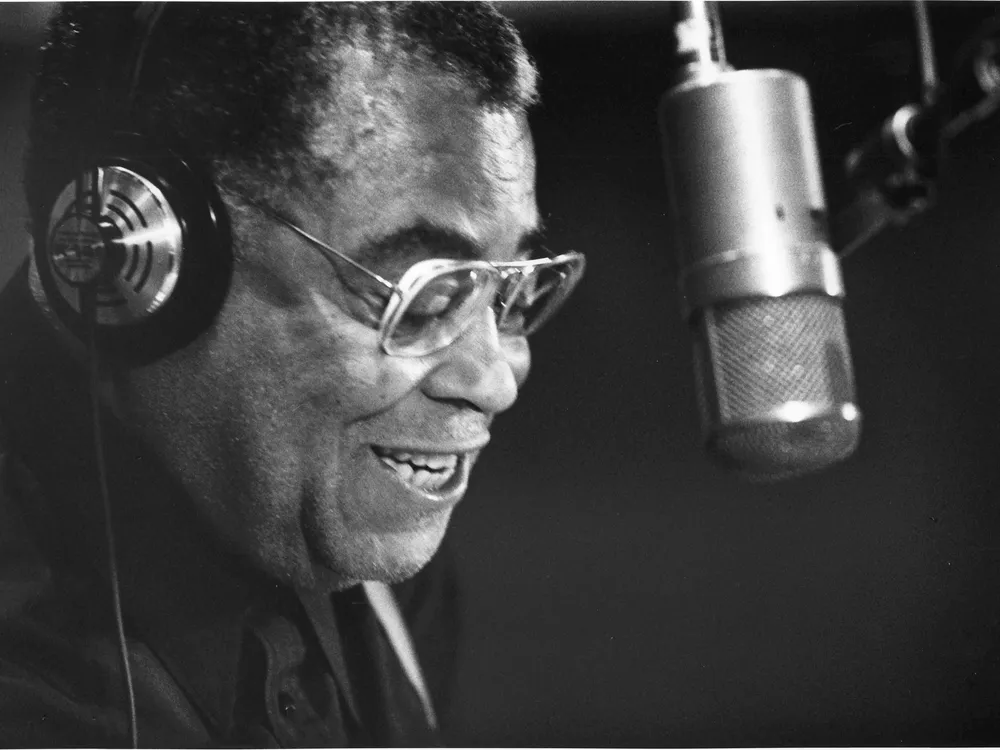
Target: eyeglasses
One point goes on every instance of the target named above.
(437, 299)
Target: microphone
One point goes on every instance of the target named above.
(760, 286)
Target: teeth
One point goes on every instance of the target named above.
(435, 462)
(422, 470)
(427, 480)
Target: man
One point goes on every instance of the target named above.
(294, 417)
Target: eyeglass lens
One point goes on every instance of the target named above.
(440, 310)
(532, 297)
(445, 305)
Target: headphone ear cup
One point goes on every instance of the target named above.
(152, 239)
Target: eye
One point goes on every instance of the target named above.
(444, 304)
(435, 298)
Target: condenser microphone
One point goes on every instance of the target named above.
(760, 285)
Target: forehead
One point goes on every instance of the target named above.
(416, 149)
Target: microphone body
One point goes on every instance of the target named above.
(760, 286)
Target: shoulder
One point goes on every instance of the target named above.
(51, 692)
(61, 678)
(60, 687)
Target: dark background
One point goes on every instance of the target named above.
(621, 590)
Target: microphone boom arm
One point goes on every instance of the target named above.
(896, 167)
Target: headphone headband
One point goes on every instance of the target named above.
(145, 18)
(135, 228)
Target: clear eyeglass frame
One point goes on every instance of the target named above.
(437, 299)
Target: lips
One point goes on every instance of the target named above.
(425, 472)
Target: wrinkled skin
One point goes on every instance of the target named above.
(269, 418)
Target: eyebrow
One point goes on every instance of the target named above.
(439, 242)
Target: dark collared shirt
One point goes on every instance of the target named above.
(220, 655)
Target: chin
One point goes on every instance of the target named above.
(387, 557)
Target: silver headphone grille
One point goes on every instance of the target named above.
(139, 239)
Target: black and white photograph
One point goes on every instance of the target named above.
(558, 373)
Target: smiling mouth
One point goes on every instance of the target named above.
(426, 472)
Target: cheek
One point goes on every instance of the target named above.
(368, 382)
(266, 368)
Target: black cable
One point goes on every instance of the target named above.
(88, 305)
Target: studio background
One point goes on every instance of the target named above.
(621, 590)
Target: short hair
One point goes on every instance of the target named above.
(244, 83)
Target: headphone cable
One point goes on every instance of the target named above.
(88, 300)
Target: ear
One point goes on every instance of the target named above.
(144, 234)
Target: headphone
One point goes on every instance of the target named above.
(134, 257)
(137, 240)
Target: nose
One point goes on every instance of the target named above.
(481, 368)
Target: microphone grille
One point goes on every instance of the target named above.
(776, 386)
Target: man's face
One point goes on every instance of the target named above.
(304, 445)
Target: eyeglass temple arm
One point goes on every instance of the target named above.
(328, 252)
